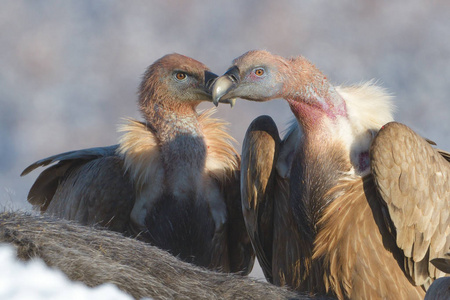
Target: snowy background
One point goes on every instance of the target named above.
(33, 280)
(70, 69)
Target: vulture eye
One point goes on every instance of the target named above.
(259, 72)
(180, 75)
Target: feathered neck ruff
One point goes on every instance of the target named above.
(140, 147)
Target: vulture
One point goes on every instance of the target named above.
(349, 203)
(172, 181)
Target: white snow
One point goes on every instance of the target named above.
(34, 280)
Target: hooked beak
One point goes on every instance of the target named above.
(224, 84)
(210, 79)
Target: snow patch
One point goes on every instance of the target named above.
(34, 280)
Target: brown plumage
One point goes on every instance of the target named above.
(355, 205)
(172, 180)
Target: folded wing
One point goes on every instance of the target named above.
(413, 181)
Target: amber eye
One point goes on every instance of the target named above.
(180, 75)
(259, 72)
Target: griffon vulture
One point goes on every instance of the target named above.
(172, 180)
(350, 203)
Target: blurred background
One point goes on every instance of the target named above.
(70, 69)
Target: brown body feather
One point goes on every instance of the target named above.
(354, 247)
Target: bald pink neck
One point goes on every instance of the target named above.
(312, 99)
(317, 107)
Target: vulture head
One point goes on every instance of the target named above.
(253, 77)
(177, 82)
(259, 75)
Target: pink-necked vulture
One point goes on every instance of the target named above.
(173, 180)
(350, 203)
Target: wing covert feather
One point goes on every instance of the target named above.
(96, 192)
(43, 189)
(413, 180)
(89, 186)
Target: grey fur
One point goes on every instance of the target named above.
(95, 256)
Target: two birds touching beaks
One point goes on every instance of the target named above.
(348, 204)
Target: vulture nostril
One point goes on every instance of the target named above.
(210, 78)
(233, 74)
(210, 82)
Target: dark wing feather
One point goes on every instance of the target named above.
(259, 155)
(89, 186)
(83, 154)
(444, 154)
(43, 189)
(97, 192)
(413, 180)
(242, 256)
(289, 252)
(442, 263)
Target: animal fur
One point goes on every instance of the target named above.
(95, 256)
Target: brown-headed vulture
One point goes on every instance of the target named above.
(350, 203)
(173, 180)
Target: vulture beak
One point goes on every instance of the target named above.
(210, 79)
(225, 84)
